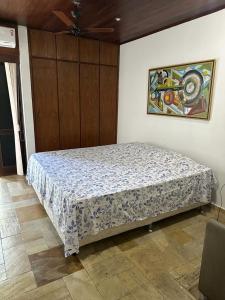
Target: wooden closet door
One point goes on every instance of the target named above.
(69, 104)
(42, 43)
(67, 47)
(89, 51)
(44, 74)
(89, 97)
(108, 104)
(109, 54)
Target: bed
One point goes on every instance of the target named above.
(92, 193)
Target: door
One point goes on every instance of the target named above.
(89, 101)
(45, 98)
(69, 104)
(7, 143)
(108, 104)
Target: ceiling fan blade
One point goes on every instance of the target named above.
(62, 32)
(98, 30)
(63, 18)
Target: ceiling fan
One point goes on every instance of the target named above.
(73, 26)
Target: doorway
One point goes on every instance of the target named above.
(7, 141)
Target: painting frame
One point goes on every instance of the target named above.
(208, 101)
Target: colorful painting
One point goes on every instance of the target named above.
(181, 90)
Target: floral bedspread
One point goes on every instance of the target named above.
(88, 190)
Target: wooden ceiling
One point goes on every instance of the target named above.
(138, 17)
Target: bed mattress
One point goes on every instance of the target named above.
(87, 190)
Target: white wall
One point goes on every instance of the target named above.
(200, 39)
(26, 90)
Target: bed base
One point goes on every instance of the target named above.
(147, 222)
(126, 227)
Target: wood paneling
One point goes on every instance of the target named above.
(89, 97)
(42, 44)
(69, 109)
(89, 51)
(109, 54)
(138, 18)
(69, 106)
(108, 104)
(45, 98)
(67, 47)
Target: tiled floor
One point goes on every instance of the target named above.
(135, 265)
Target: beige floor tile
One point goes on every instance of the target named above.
(183, 269)
(97, 252)
(152, 261)
(4, 191)
(5, 200)
(180, 236)
(190, 280)
(148, 258)
(122, 284)
(128, 297)
(31, 231)
(7, 214)
(197, 231)
(26, 196)
(51, 238)
(136, 274)
(88, 255)
(192, 251)
(30, 213)
(1, 254)
(9, 227)
(115, 287)
(126, 241)
(170, 289)
(160, 239)
(187, 275)
(131, 282)
(23, 203)
(56, 290)
(2, 273)
(81, 287)
(26, 203)
(147, 292)
(19, 188)
(17, 285)
(35, 246)
(16, 188)
(107, 249)
(172, 258)
(41, 228)
(12, 241)
(12, 178)
(108, 267)
(16, 261)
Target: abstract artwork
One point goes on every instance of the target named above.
(181, 90)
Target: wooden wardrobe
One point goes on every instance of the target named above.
(74, 85)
